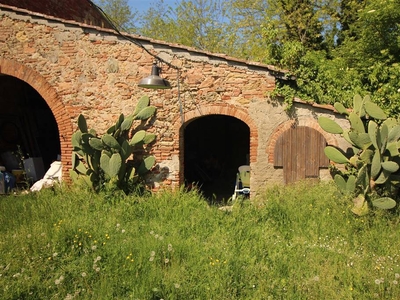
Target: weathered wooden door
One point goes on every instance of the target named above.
(300, 152)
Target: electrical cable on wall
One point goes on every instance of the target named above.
(112, 23)
(137, 43)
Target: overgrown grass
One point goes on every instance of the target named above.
(293, 243)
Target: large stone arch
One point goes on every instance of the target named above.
(49, 94)
(217, 109)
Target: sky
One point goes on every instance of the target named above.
(144, 5)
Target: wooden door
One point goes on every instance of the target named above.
(300, 152)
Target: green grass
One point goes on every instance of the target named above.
(298, 242)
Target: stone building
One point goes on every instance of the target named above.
(58, 63)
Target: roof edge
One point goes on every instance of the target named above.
(274, 71)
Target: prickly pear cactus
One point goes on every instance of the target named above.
(372, 174)
(109, 159)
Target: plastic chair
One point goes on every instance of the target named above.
(242, 185)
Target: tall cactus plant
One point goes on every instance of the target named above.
(105, 160)
(372, 171)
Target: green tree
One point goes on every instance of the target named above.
(347, 15)
(364, 60)
(196, 23)
(280, 32)
(119, 13)
(269, 31)
(245, 30)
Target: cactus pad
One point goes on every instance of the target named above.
(143, 102)
(384, 203)
(329, 125)
(82, 123)
(335, 155)
(114, 164)
(149, 138)
(137, 137)
(127, 123)
(111, 142)
(96, 143)
(145, 113)
(340, 108)
(374, 111)
(146, 165)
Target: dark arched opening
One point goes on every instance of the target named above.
(215, 146)
(27, 128)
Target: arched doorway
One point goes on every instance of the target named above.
(299, 150)
(27, 126)
(214, 147)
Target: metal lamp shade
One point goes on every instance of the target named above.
(154, 81)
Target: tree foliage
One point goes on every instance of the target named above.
(363, 59)
(119, 13)
(197, 23)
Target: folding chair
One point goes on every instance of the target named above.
(242, 184)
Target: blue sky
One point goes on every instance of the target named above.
(144, 5)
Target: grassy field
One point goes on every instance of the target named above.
(298, 242)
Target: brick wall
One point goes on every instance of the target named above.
(77, 10)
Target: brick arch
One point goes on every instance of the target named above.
(312, 123)
(49, 94)
(216, 109)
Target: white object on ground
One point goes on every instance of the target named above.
(52, 175)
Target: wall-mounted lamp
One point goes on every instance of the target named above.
(154, 81)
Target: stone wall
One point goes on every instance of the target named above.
(82, 69)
